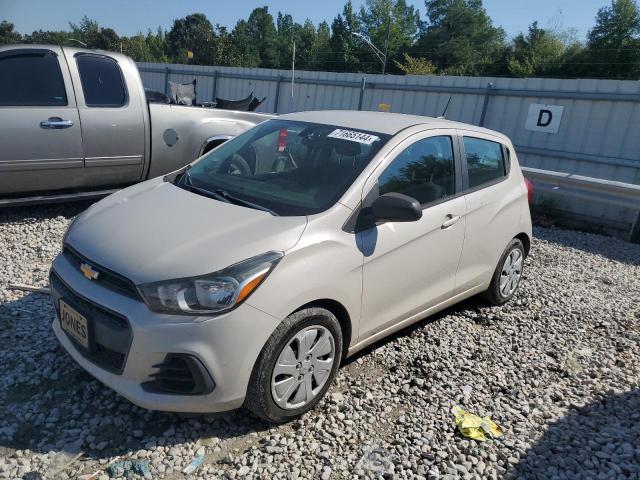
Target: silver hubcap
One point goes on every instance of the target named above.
(303, 367)
(511, 273)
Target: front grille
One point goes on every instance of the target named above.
(106, 278)
(109, 333)
(180, 374)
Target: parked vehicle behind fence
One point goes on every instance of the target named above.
(208, 289)
(77, 120)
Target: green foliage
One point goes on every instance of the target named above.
(8, 34)
(194, 33)
(225, 51)
(345, 48)
(321, 51)
(613, 45)
(539, 53)
(395, 18)
(287, 32)
(157, 46)
(261, 32)
(89, 33)
(305, 43)
(59, 37)
(248, 53)
(416, 66)
(457, 37)
(460, 39)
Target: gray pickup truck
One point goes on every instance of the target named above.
(76, 122)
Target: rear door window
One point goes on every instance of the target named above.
(31, 79)
(102, 81)
(485, 161)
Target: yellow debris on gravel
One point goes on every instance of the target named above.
(475, 427)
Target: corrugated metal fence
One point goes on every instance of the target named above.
(595, 131)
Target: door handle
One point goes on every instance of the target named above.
(451, 220)
(56, 123)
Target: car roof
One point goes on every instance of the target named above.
(381, 122)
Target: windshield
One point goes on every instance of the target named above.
(290, 168)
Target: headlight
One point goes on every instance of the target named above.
(213, 293)
(66, 232)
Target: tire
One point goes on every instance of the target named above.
(262, 394)
(238, 166)
(497, 293)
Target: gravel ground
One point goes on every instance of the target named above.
(558, 368)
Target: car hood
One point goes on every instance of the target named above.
(156, 231)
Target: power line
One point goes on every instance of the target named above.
(436, 52)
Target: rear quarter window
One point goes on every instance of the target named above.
(102, 82)
(485, 161)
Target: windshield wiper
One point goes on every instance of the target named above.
(202, 191)
(224, 196)
(245, 203)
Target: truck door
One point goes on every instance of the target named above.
(113, 125)
(40, 131)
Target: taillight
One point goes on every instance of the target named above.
(529, 186)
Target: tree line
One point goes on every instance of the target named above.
(456, 37)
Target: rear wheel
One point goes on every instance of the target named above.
(296, 365)
(507, 275)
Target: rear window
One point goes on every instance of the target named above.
(31, 79)
(102, 81)
(485, 161)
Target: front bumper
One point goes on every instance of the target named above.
(227, 346)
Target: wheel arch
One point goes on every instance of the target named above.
(341, 314)
(526, 242)
(212, 142)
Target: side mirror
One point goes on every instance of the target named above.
(396, 207)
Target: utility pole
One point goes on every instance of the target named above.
(293, 69)
(386, 43)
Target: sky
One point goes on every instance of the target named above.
(128, 17)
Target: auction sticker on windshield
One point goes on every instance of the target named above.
(353, 136)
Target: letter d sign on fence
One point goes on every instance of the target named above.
(544, 118)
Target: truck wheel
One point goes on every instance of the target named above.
(296, 366)
(507, 275)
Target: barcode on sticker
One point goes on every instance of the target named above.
(353, 136)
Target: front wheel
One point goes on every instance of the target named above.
(507, 275)
(296, 365)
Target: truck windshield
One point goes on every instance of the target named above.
(290, 168)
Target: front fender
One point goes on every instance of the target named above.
(329, 270)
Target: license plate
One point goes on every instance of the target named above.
(74, 324)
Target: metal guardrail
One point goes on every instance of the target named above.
(615, 193)
(619, 194)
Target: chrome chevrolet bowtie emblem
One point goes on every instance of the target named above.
(88, 271)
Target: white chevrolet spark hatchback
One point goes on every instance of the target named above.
(246, 277)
